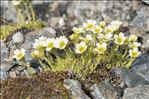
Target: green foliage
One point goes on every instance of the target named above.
(34, 25)
(7, 30)
(81, 65)
(24, 11)
(91, 45)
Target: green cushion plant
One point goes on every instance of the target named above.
(89, 45)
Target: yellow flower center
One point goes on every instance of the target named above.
(40, 47)
(134, 46)
(37, 54)
(108, 30)
(81, 49)
(90, 26)
(50, 45)
(20, 55)
(101, 49)
(97, 30)
(62, 44)
(134, 54)
(119, 40)
(133, 39)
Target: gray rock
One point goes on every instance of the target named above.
(54, 21)
(104, 91)
(141, 19)
(99, 10)
(6, 65)
(141, 66)
(131, 79)
(84, 10)
(146, 1)
(96, 94)
(20, 68)
(4, 51)
(3, 75)
(8, 11)
(28, 56)
(75, 88)
(145, 41)
(31, 36)
(18, 37)
(139, 92)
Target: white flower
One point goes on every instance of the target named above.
(101, 47)
(81, 47)
(119, 39)
(15, 2)
(73, 36)
(102, 24)
(89, 25)
(134, 52)
(37, 54)
(78, 30)
(109, 29)
(49, 44)
(116, 24)
(89, 37)
(132, 38)
(61, 42)
(42, 38)
(112, 27)
(105, 37)
(19, 54)
(108, 36)
(40, 43)
(97, 29)
(135, 45)
(101, 36)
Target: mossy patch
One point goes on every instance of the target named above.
(7, 30)
(50, 84)
(41, 86)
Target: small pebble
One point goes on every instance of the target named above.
(18, 37)
(61, 22)
(3, 75)
(12, 74)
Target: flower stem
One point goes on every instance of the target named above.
(43, 65)
(22, 19)
(28, 12)
(47, 60)
(32, 11)
(129, 62)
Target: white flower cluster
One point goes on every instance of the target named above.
(133, 44)
(101, 34)
(42, 44)
(92, 35)
(49, 43)
(94, 32)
